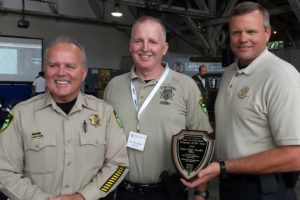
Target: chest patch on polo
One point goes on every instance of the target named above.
(244, 93)
(167, 94)
(5, 120)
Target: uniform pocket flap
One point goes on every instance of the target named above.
(37, 144)
(92, 139)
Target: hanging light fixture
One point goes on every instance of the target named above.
(117, 12)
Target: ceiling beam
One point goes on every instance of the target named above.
(97, 9)
(170, 3)
(201, 5)
(174, 25)
(168, 8)
(280, 10)
(295, 6)
(218, 28)
(212, 5)
(224, 20)
(191, 24)
(65, 17)
(52, 4)
(184, 38)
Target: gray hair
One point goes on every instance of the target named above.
(150, 18)
(248, 7)
(68, 40)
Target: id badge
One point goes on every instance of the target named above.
(136, 141)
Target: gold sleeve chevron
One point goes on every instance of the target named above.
(113, 179)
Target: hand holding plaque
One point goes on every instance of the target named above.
(191, 152)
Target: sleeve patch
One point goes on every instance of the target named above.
(5, 120)
(113, 179)
(203, 106)
(119, 122)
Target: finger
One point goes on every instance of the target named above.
(192, 184)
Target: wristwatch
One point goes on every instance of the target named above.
(223, 170)
(204, 194)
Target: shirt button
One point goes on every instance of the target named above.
(230, 86)
(66, 186)
(69, 163)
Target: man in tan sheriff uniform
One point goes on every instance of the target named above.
(154, 103)
(62, 144)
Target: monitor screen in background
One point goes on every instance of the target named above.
(8, 61)
(20, 58)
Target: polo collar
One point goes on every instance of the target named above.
(134, 76)
(256, 63)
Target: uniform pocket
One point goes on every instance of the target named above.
(40, 154)
(92, 139)
(92, 149)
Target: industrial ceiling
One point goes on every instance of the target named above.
(201, 23)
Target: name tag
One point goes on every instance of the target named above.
(136, 141)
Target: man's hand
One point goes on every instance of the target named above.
(75, 196)
(204, 176)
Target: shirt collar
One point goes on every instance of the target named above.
(82, 101)
(134, 76)
(253, 65)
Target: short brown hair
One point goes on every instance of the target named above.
(248, 7)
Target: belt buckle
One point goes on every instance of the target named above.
(144, 188)
(129, 186)
(144, 185)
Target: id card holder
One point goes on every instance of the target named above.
(136, 141)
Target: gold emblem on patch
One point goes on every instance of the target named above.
(244, 93)
(95, 120)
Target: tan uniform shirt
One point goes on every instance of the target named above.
(174, 107)
(257, 108)
(45, 152)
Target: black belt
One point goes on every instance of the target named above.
(252, 178)
(243, 177)
(139, 187)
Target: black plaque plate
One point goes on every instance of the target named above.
(191, 152)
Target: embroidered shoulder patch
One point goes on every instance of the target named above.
(5, 120)
(119, 122)
(113, 179)
(203, 106)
